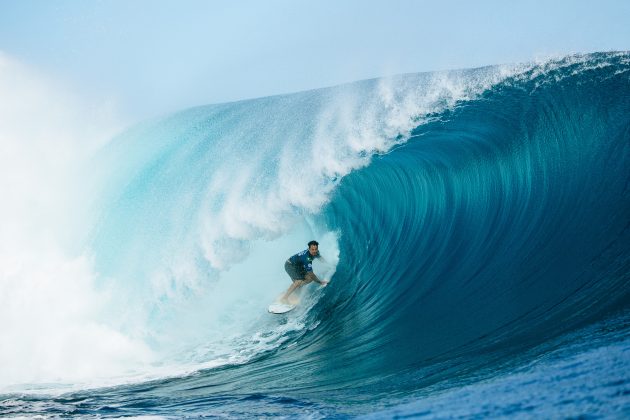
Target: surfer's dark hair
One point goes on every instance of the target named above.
(313, 243)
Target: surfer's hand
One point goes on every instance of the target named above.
(324, 283)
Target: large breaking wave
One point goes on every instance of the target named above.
(466, 216)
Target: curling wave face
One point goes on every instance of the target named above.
(499, 225)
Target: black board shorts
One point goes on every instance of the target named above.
(296, 273)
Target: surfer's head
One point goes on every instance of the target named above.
(313, 248)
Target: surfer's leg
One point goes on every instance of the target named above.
(291, 289)
(297, 277)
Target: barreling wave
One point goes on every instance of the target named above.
(499, 225)
(469, 216)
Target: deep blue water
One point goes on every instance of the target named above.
(476, 224)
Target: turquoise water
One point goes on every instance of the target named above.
(475, 224)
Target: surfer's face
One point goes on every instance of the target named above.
(312, 250)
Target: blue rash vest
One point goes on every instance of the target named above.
(304, 260)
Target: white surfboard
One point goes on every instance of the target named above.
(280, 308)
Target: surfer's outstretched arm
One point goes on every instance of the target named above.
(312, 277)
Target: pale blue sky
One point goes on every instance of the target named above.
(160, 56)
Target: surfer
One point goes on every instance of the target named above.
(300, 268)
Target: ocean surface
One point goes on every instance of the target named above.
(476, 231)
